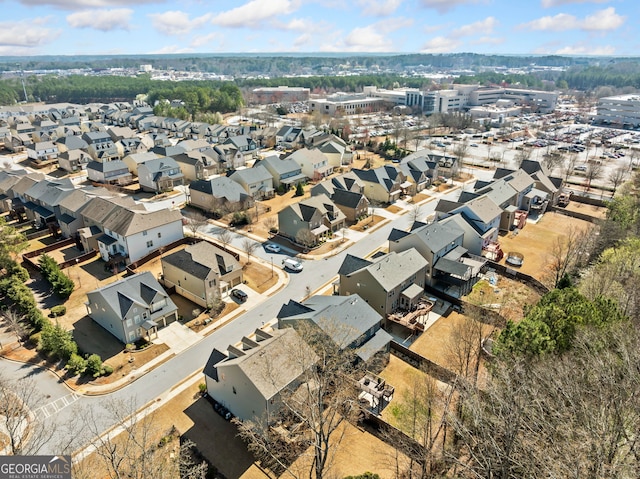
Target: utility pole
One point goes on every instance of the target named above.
(24, 88)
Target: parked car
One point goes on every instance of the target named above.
(274, 248)
(292, 264)
(239, 294)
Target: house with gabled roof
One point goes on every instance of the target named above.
(318, 215)
(132, 308)
(288, 136)
(352, 203)
(201, 272)
(114, 172)
(219, 195)
(285, 172)
(42, 199)
(383, 184)
(337, 152)
(159, 175)
(71, 143)
(313, 163)
(388, 283)
(100, 146)
(134, 160)
(450, 266)
(257, 182)
(42, 151)
(250, 378)
(94, 213)
(131, 234)
(349, 321)
(69, 217)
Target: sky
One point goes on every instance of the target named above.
(121, 27)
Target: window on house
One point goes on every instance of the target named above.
(144, 233)
(234, 390)
(159, 235)
(149, 244)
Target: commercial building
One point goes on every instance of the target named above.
(619, 109)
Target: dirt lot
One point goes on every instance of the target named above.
(534, 241)
(367, 223)
(595, 211)
(508, 296)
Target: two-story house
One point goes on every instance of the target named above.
(114, 172)
(381, 185)
(249, 379)
(449, 265)
(286, 173)
(132, 308)
(317, 215)
(313, 163)
(257, 182)
(159, 175)
(201, 272)
(219, 195)
(132, 233)
(349, 321)
(391, 282)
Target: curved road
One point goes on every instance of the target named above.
(152, 385)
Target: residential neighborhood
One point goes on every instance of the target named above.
(177, 238)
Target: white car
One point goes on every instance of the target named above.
(274, 248)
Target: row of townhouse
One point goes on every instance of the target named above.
(114, 226)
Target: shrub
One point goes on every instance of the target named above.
(18, 272)
(202, 387)
(57, 342)
(60, 282)
(106, 369)
(76, 364)
(240, 219)
(59, 310)
(129, 347)
(94, 365)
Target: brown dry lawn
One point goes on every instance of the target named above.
(508, 296)
(595, 211)
(367, 223)
(535, 241)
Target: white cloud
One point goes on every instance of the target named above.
(444, 6)
(379, 8)
(103, 20)
(367, 39)
(586, 50)
(177, 22)
(485, 27)
(84, 4)
(606, 19)
(557, 3)
(440, 45)
(201, 40)
(303, 39)
(26, 34)
(254, 12)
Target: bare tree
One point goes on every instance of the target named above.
(566, 252)
(306, 238)
(249, 246)
(415, 213)
(16, 323)
(26, 432)
(195, 221)
(569, 165)
(594, 172)
(616, 178)
(136, 447)
(224, 236)
(318, 409)
(270, 223)
(461, 150)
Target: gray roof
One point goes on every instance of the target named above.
(127, 222)
(436, 236)
(201, 258)
(274, 364)
(378, 342)
(348, 199)
(252, 175)
(73, 142)
(392, 269)
(499, 191)
(139, 289)
(343, 318)
(484, 208)
(280, 167)
(220, 187)
(387, 176)
(107, 166)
